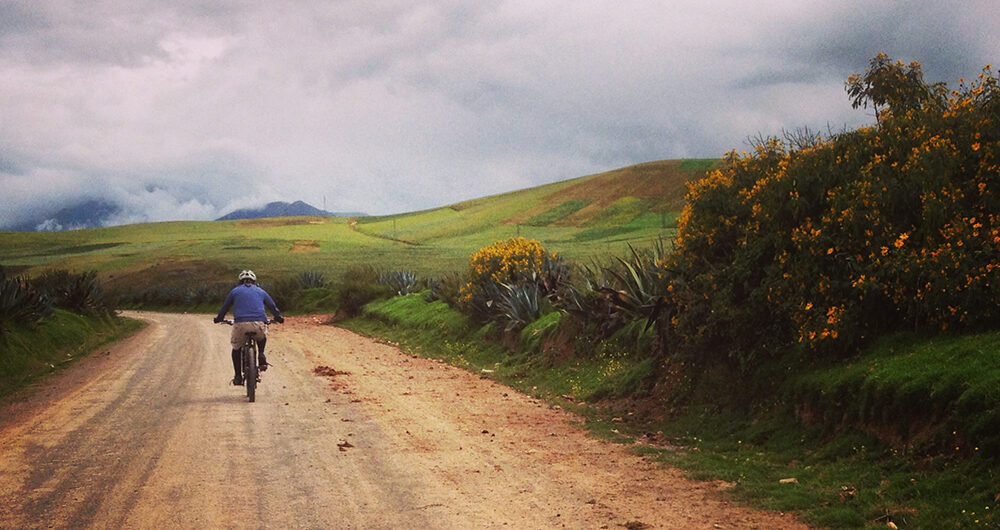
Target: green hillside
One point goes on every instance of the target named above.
(582, 218)
(630, 203)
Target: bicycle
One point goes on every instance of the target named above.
(248, 354)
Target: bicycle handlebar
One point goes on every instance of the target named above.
(230, 321)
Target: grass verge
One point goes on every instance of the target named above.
(27, 354)
(838, 477)
(939, 393)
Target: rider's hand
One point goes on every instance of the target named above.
(216, 320)
(279, 319)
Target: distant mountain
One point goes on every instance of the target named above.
(88, 214)
(95, 213)
(282, 209)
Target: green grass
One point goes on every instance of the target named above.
(699, 164)
(904, 380)
(557, 213)
(843, 480)
(621, 212)
(315, 300)
(26, 354)
(845, 477)
(414, 312)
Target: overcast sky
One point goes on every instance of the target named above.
(188, 109)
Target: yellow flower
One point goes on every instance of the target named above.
(901, 240)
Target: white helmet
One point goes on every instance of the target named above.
(248, 275)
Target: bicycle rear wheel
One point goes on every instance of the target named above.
(250, 369)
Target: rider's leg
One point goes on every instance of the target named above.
(236, 340)
(237, 362)
(261, 359)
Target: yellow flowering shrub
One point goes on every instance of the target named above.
(506, 261)
(514, 261)
(828, 243)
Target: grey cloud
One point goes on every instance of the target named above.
(769, 78)
(18, 19)
(391, 106)
(948, 40)
(61, 35)
(106, 32)
(9, 165)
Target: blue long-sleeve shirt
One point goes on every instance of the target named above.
(248, 303)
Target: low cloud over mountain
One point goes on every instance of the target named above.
(87, 214)
(93, 213)
(283, 209)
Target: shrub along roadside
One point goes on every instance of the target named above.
(804, 251)
(21, 304)
(27, 353)
(844, 477)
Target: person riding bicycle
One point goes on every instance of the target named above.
(248, 302)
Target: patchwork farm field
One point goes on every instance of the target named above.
(586, 218)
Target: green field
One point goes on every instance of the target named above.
(606, 213)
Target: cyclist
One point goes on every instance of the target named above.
(248, 302)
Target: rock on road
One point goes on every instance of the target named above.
(345, 433)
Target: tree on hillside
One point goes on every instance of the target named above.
(894, 87)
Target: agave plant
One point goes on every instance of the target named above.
(640, 284)
(77, 292)
(586, 300)
(84, 293)
(311, 279)
(401, 282)
(643, 294)
(609, 297)
(553, 272)
(21, 303)
(518, 305)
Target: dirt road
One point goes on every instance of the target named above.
(150, 434)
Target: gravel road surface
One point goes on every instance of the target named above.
(346, 432)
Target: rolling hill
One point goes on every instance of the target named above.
(613, 204)
(589, 217)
